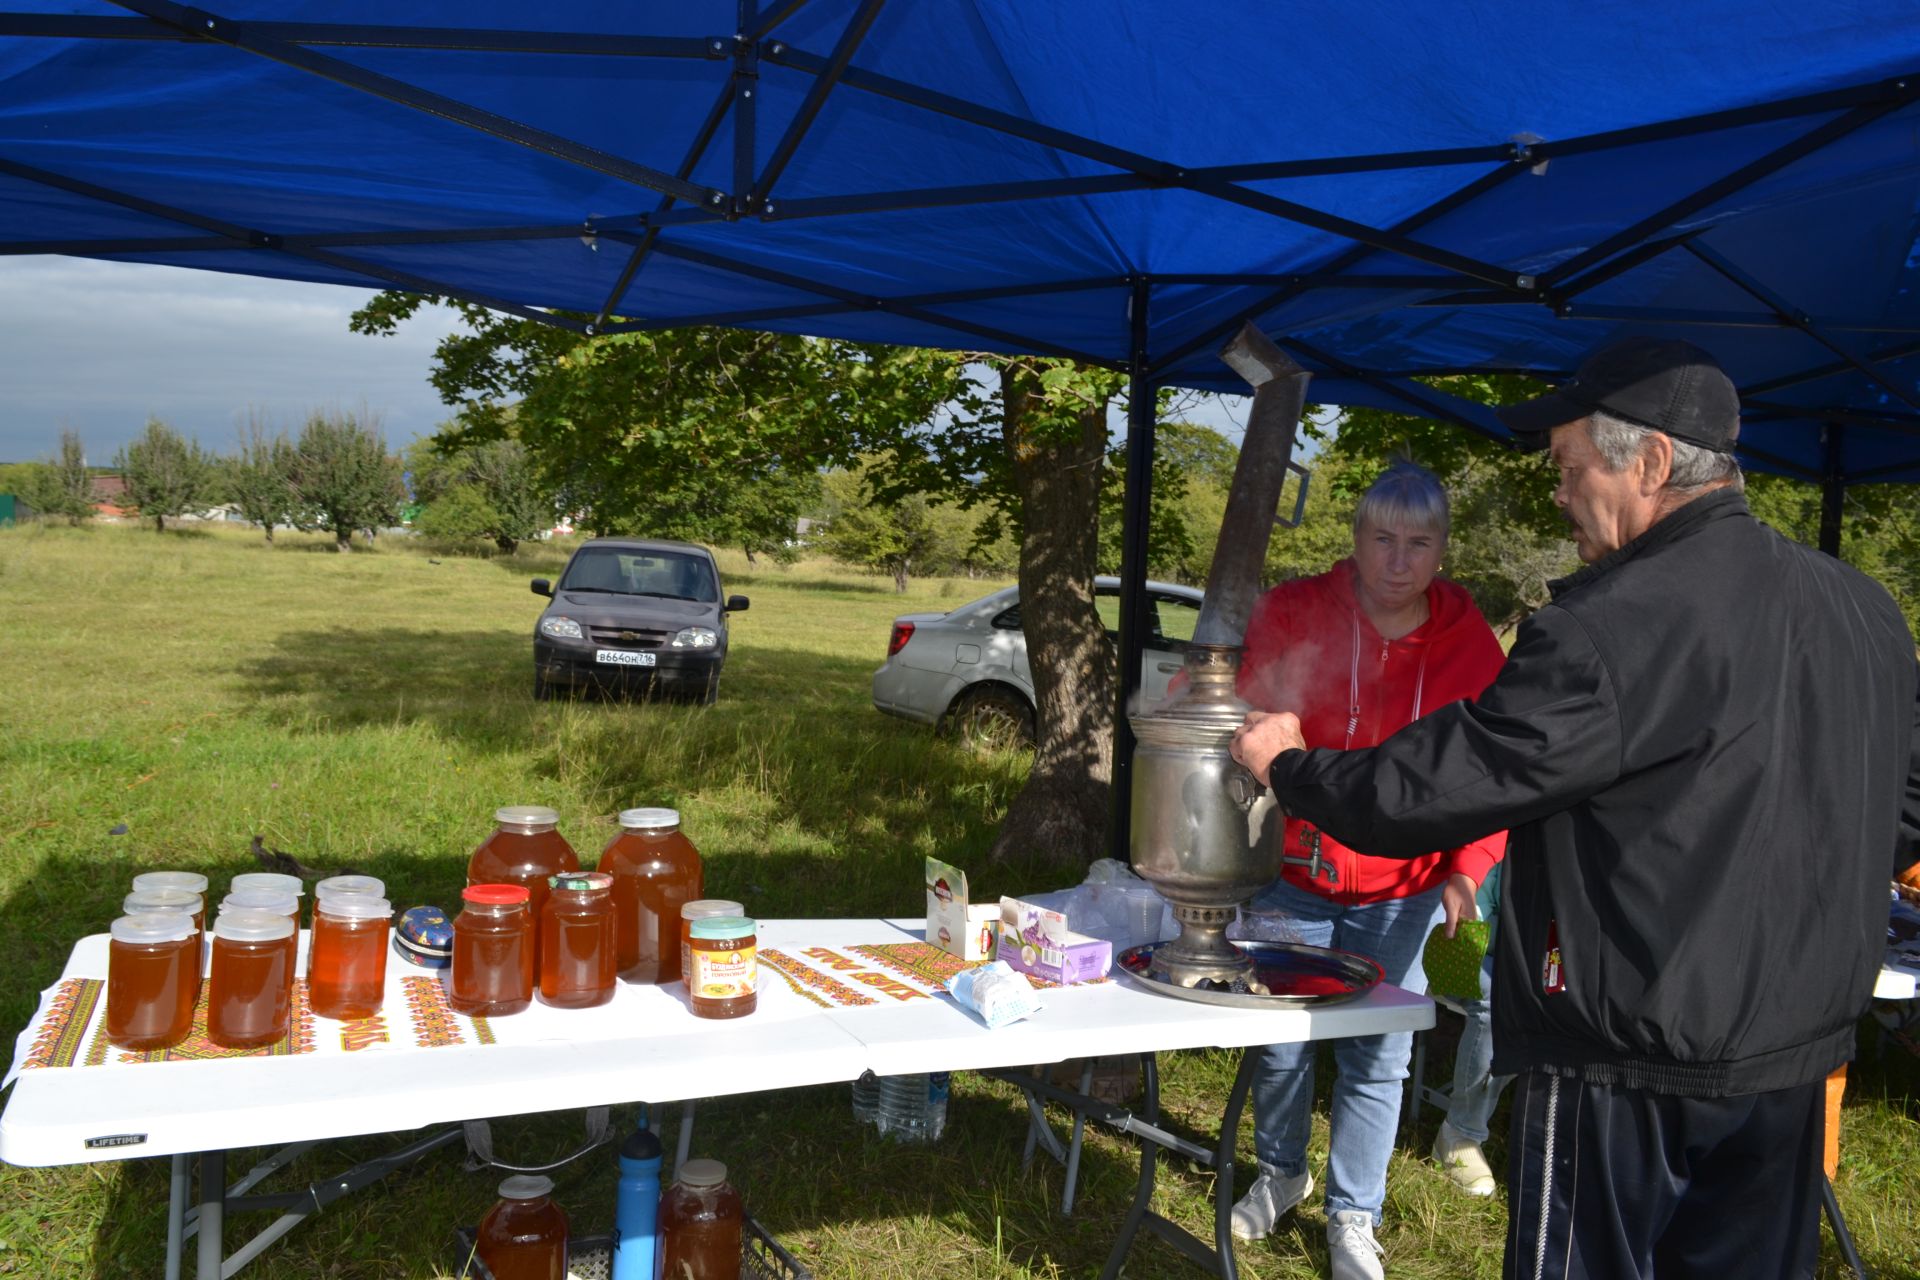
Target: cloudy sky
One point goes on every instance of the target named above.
(102, 346)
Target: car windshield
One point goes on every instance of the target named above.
(672, 575)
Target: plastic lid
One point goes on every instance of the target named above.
(355, 906)
(649, 819)
(701, 1173)
(372, 886)
(495, 895)
(581, 881)
(700, 908)
(153, 927)
(260, 900)
(252, 926)
(190, 881)
(723, 927)
(142, 901)
(268, 880)
(526, 815)
(526, 1186)
(641, 1144)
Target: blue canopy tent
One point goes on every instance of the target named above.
(1390, 190)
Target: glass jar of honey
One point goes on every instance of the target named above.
(524, 1236)
(578, 952)
(493, 952)
(525, 849)
(701, 909)
(183, 881)
(247, 986)
(348, 954)
(366, 886)
(271, 881)
(169, 901)
(656, 870)
(722, 984)
(701, 1218)
(153, 976)
(264, 897)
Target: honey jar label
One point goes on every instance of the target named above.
(723, 975)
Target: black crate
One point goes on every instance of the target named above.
(591, 1257)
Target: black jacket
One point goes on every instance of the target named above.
(1704, 749)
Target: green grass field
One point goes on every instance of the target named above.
(370, 711)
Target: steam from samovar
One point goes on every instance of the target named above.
(1192, 835)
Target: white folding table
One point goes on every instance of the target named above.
(660, 1052)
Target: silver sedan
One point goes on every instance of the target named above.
(967, 670)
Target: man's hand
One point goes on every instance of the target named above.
(1457, 898)
(1262, 736)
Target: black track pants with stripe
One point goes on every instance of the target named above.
(1623, 1184)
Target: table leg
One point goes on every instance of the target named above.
(1143, 1189)
(1223, 1161)
(1840, 1232)
(178, 1182)
(213, 1203)
(683, 1146)
(1073, 1147)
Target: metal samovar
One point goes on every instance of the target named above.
(1193, 834)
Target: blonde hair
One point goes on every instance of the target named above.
(1405, 494)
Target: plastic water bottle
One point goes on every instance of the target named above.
(636, 1208)
(866, 1097)
(913, 1108)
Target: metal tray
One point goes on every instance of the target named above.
(1283, 967)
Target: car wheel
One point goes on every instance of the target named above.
(993, 718)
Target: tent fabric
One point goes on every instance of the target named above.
(1402, 188)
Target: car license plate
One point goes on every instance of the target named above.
(623, 657)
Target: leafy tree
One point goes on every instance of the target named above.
(900, 536)
(62, 487)
(708, 432)
(342, 477)
(502, 494)
(258, 477)
(166, 474)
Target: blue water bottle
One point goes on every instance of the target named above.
(636, 1208)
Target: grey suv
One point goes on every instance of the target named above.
(634, 614)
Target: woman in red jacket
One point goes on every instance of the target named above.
(1358, 652)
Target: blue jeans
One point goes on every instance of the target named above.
(1371, 1069)
(1475, 1088)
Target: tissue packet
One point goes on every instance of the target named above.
(995, 992)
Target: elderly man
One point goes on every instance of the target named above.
(1704, 749)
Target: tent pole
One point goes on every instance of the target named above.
(1135, 514)
(1833, 490)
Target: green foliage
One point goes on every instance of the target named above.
(62, 487)
(903, 536)
(29, 482)
(166, 474)
(496, 490)
(701, 433)
(1192, 471)
(257, 478)
(1879, 529)
(342, 477)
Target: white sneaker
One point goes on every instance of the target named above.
(1267, 1201)
(1350, 1243)
(1465, 1164)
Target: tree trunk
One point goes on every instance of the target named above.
(343, 540)
(1061, 814)
(159, 524)
(269, 534)
(900, 577)
(505, 543)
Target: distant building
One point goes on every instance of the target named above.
(12, 509)
(110, 498)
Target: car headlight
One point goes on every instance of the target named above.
(561, 628)
(695, 638)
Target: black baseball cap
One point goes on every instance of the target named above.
(1667, 385)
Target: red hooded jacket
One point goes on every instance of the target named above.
(1311, 650)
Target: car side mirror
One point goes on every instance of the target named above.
(736, 604)
(541, 587)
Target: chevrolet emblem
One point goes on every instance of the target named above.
(629, 637)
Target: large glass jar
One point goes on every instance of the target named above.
(578, 952)
(524, 1236)
(525, 849)
(493, 949)
(656, 870)
(700, 1224)
(347, 976)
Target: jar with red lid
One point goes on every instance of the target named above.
(493, 952)
(578, 952)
